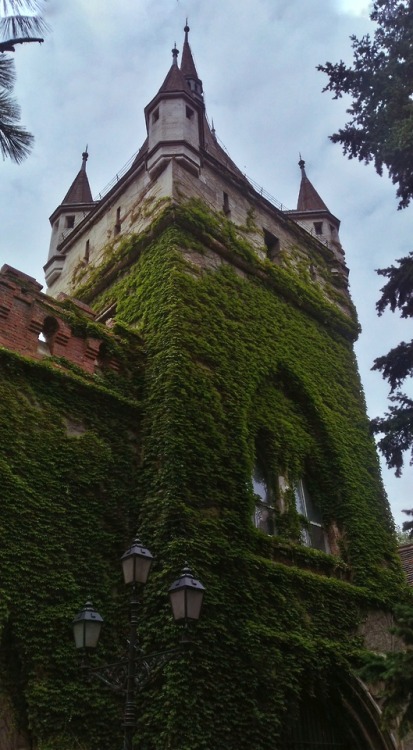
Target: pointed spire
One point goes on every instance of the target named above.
(188, 67)
(308, 198)
(85, 157)
(174, 80)
(79, 191)
(175, 53)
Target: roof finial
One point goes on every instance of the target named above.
(213, 130)
(186, 29)
(301, 163)
(85, 157)
(175, 53)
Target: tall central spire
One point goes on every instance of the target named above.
(188, 67)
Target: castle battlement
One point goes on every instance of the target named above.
(35, 325)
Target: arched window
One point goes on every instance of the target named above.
(47, 336)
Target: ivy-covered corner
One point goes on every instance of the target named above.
(240, 356)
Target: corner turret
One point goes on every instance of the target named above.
(175, 117)
(76, 204)
(314, 216)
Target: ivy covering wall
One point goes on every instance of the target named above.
(233, 350)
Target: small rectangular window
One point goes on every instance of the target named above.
(318, 227)
(272, 243)
(118, 224)
(189, 113)
(70, 222)
(87, 252)
(155, 115)
(226, 208)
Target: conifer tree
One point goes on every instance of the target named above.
(380, 84)
(380, 130)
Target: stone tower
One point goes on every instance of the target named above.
(200, 385)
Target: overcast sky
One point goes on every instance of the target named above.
(104, 61)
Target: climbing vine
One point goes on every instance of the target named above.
(231, 352)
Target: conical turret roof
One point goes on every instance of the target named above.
(308, 198)
(79, 191)
(187, 61)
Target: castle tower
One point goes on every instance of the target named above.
(313, 214)
(201, 386)
(76, 204)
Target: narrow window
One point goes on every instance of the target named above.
(189, 113)
(313, 534)
(70, 222)
(118, 225)
(47, 336)
(226, 209)
(264, 500)
(87, 252)
(318, 227)
(272, 243)
(155, 115)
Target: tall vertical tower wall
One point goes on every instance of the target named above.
(223, 382)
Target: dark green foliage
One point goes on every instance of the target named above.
(392, 674)
(396, 366)
(380, 84)
(228, 356)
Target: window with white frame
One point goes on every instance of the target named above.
(313, 534)
(263, 518)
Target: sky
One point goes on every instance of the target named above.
(102, 62)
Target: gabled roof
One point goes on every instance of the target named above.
(79, 191)
(308, 198)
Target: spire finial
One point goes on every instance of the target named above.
(175, 53)
(186, 29)
(301, 163)
(85, 157)
(213, 130)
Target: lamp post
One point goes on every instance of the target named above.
(134, 670)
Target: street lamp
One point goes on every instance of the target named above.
(134, 670)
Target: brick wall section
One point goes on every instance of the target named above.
(25, 313)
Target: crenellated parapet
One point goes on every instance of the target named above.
(37, 326)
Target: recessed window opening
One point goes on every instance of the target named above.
(318, 227)
(226, 207)
(47, 335)
(155, 115)
(118, 224)
(87, 252)
(69, 222)
(272, 243)
(263, 485)
(189, 113)
(312, 535)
